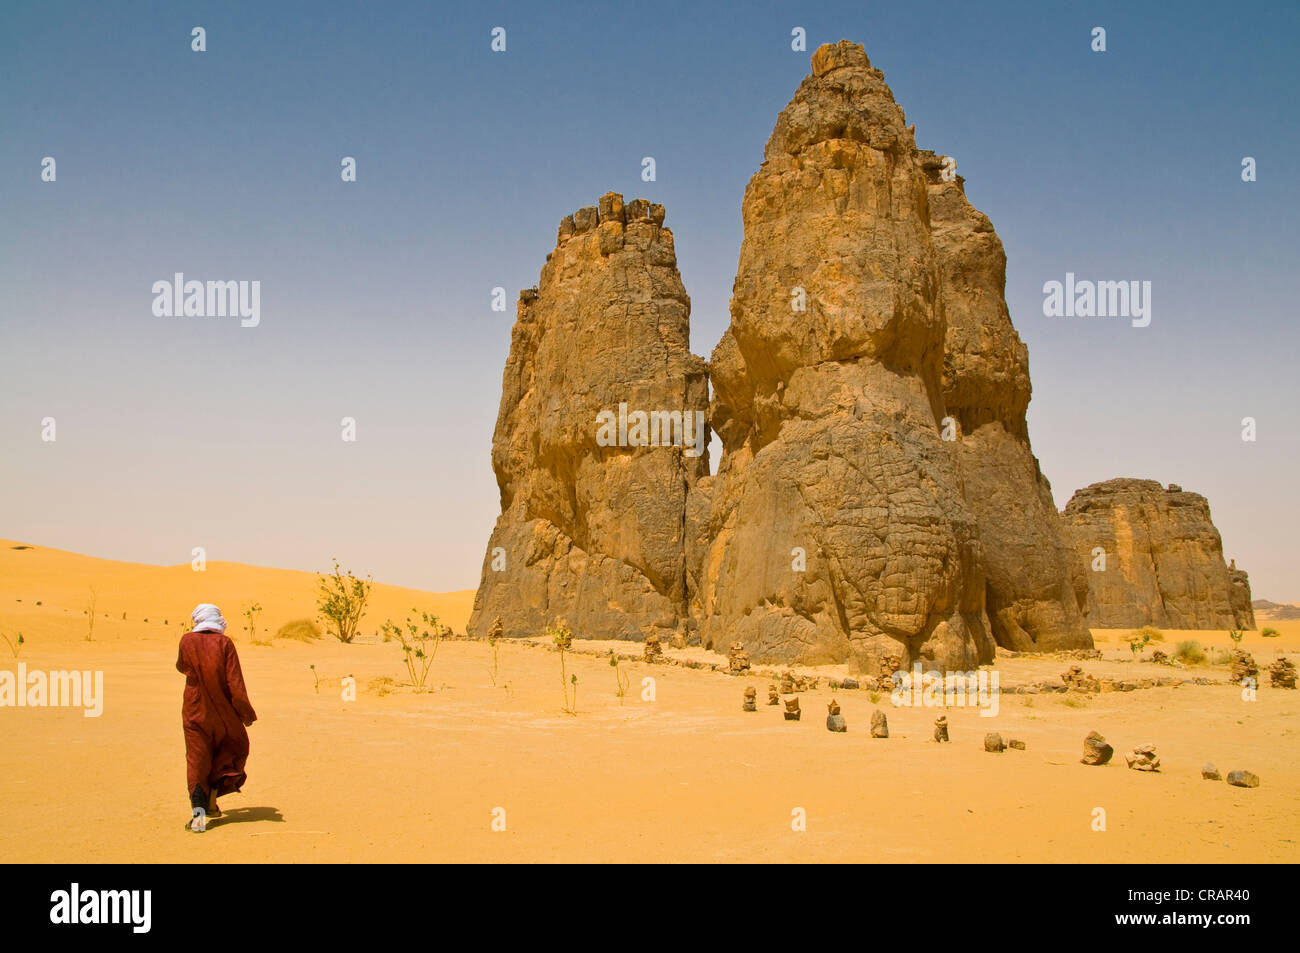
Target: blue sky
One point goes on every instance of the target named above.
(375, 294)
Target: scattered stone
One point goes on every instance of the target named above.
(941, 728)
(792, 711)
(1016, 743)
(654, 652)
(1243, 668)
(1243, 779)
(1210, 773)
(1095, 749)
(751, 699)
(993, 742)
(1143, 758)
(773, 696)
(834, 720)
(738, 658)
(1079, 680)
(849, 683)
(879, 724)
(1281, 674)
(1159, 657)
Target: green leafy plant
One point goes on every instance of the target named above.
(1236, 635)
(341, 602)
(1269, 633)
(621, 679)
(562, 636)
(1137, 642)
(1189, 652)
(16, 644)
(250, 613)
(90, 615)
(417, 654)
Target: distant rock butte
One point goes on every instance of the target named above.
(1164, 559)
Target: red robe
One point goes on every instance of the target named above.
(214, 713)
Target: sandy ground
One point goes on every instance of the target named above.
(402, 776)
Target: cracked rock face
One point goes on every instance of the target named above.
(829, 414)
(1036, 587)
(1164, 559)
(591, 532)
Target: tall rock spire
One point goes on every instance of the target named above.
(592, 525)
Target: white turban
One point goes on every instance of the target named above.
(207, 618)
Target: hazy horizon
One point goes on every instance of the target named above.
(375, 295)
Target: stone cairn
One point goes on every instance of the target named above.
(879, 724)
(654, 652)
(737, 659)
(941, 728)
(792, 712)
(773, 696)
(497, 628)
(787, 683)
(1095, 749)
(1243, 668)
(751, 699)
(1281, 674)
(1143, 758)
(1079, 680)
(834, 720)
(993, 742)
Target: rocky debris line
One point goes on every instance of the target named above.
(1164, 559)
(738, 659)
(1063, 656)
(879, 724)
(1079, 680)
(1143, 758)
(792, 712)
(1095, 749)
(1243, 669)
(1281, 674)
(593, 528)
(1243, 779)
(993, 742)
(834, 720)
(1035, 585)
(751, 699)
(941, 728)
(1210, 773)
(654, 652)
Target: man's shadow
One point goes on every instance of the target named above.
(244, 815)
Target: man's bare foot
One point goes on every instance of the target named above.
(213, 810)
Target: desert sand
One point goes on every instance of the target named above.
(689, 776)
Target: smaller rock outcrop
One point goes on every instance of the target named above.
(879, 724)
(1143, 758)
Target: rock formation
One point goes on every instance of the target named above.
(593, 487)
(1036, 588)
(879, 724)
(828, 401)
(1281, 674)
(834, 720)
(1164, 559)
(1143, 758)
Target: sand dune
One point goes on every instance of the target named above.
(400, 776)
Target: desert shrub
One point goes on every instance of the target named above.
(1270, 633)
(417, 653)
(300, 630)
(342, 601)
(1189, 652)
(1151, 632)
